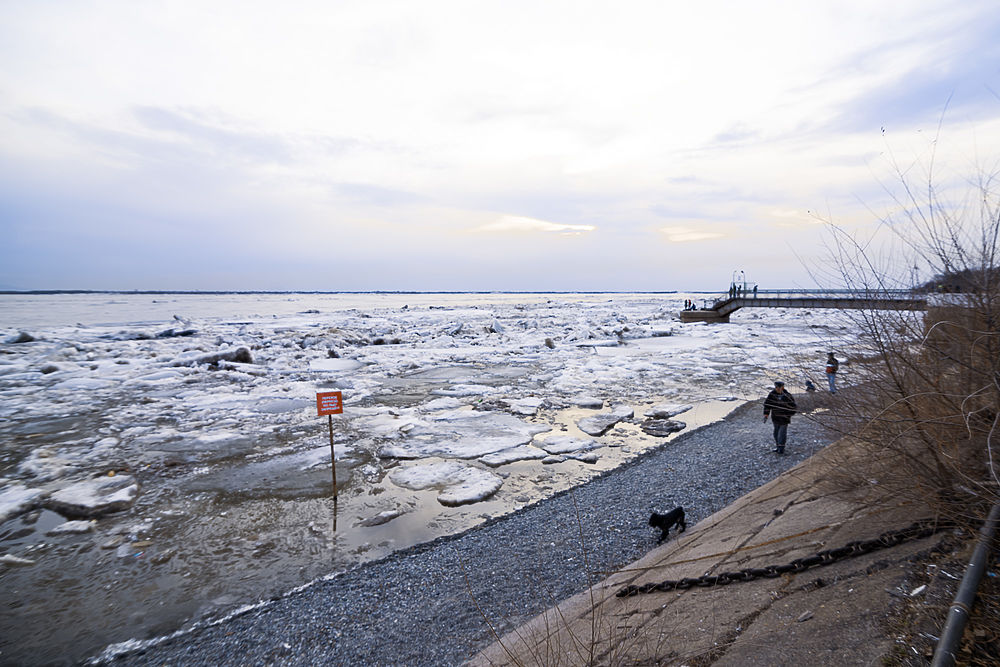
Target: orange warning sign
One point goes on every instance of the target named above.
(329, 403)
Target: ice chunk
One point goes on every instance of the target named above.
(464, 390)
(526, 406)
(661, 427)
(80, 526)
(623, 411)
(608, 342)
(587, 402)
(598, 424)
(278, 404)
(19, 337)
(238, 354)
(442, 404)
(460, 484)
(43, 464)
(83, 384)
(522, 453)
(16, 499)
(95, 497)
(563, 444)
(464, 434)
(666, 410)
(158, 377)
(335, 365)
(11, 560)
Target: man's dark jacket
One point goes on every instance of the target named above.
(780, 406)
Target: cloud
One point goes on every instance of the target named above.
(685, 234)
(518, 224)
(375, 195)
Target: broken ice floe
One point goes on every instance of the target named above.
(237, 354)
(95, 497)
(74, 527)
(666, 410)
(587, 402)
(19, 337)
(661, 427)
(335, 365)
(527, 407)
(463, 434)
(600, 424)
(564, 444)
(522, 453)
(459, 484)
(17, 499)
(11, 560)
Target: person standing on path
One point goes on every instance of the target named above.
(832, 365)
(780, 405)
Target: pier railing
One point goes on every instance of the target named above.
(725, 304)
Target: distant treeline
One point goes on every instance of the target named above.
(967, 280)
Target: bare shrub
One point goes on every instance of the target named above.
(926, 416)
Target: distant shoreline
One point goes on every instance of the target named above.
(219, 292)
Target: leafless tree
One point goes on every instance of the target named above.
(925, 410)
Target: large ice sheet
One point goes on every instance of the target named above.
(464, 434)
(459, 484)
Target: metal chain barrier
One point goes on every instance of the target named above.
(917, 530)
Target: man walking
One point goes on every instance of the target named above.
(780, 405)
(831, 372)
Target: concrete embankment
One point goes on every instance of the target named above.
(839, 613)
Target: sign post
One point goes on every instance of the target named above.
(330, 403)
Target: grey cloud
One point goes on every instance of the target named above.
(736, 134)
(213, 138)
(376, 195)
(963, 78)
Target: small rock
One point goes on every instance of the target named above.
(804, 616)
(918, 590)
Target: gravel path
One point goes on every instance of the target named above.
(416, 607)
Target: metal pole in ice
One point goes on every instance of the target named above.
(333, 460)
(330, 403)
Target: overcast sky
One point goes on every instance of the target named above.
(468, 145)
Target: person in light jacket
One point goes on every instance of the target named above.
(780, 406)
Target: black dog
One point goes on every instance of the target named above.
(665, 522)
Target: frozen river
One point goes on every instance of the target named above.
(162, 462)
